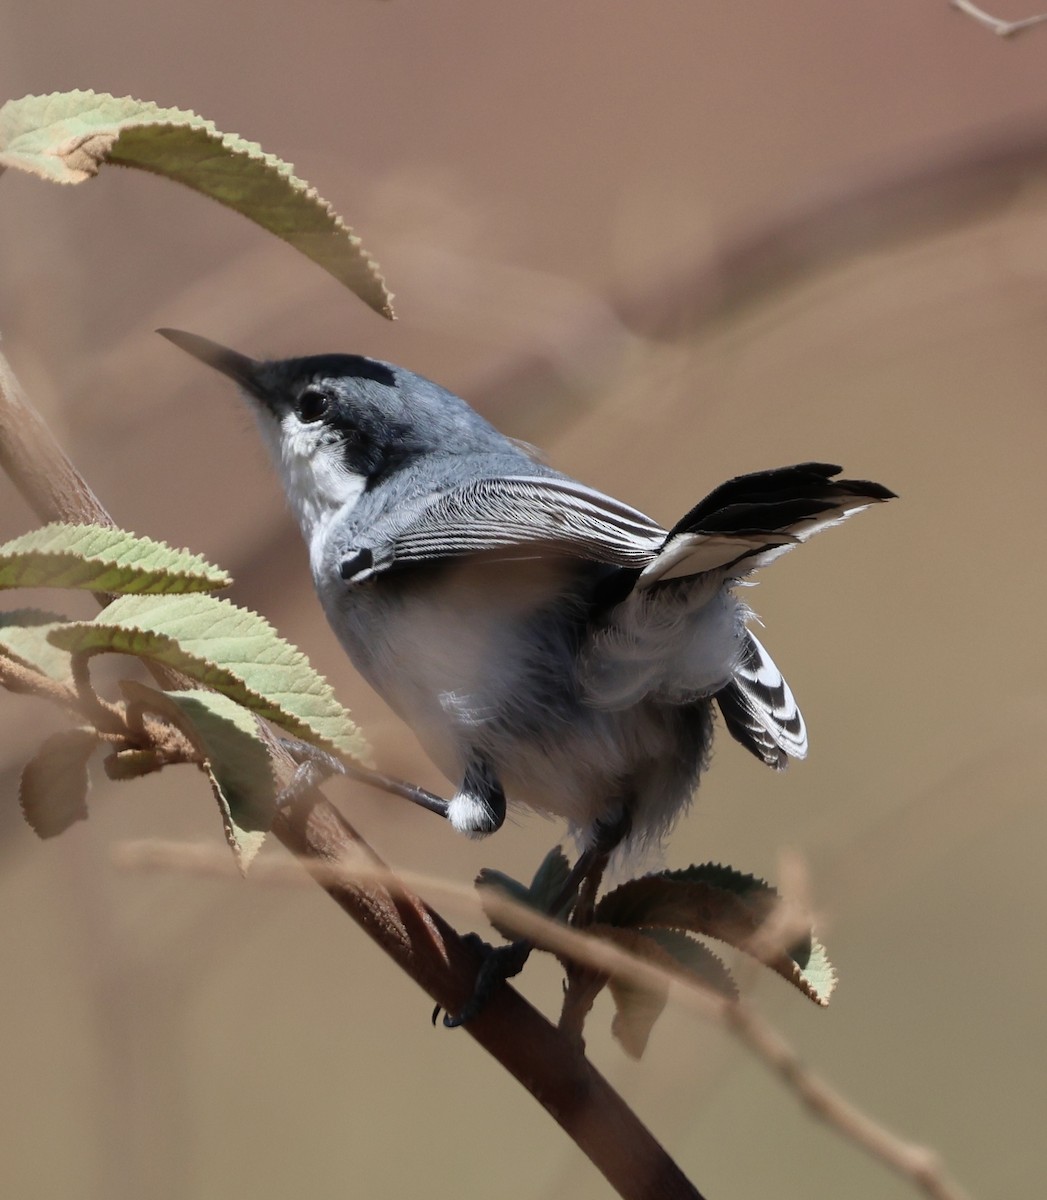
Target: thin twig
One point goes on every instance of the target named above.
(999, 27)
(17, 677)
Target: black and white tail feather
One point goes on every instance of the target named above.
(760, 711)
(742, 525)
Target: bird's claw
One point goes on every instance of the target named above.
(499, 964)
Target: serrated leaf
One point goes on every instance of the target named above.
(549, 881)
(760, 897)
(638, 1005)
(229, 649)
(67, 136)
(816, 976)
(23, 637)
(733, 914)
(541, 894)
(53, 792)
(103, 559)
(695, 961)
(236, 759)
(489, 880)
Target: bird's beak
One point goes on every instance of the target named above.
(241, 369)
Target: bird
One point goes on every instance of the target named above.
(551, 647)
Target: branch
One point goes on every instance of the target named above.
(999, 27)
(920, 1165)
(950, 183)
(417, 938)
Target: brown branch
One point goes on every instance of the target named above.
(37, 465)
(17, 677)
(999, 27)
(563, 1081)
(939, 186)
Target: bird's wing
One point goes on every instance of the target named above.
(760, 711)
(520, 516)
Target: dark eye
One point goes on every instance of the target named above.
(312, 405)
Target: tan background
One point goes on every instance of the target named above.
(515, 168)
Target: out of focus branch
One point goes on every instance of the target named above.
(950, 184)
(999, 27)
(417, 938)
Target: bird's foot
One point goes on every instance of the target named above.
(313, 767)
(499, 964)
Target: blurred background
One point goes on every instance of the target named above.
(584, 211)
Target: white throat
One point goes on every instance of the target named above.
(318, 484)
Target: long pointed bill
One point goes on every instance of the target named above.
(243, 370)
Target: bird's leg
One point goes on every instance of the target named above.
(315, 765)
(478, 807)
(583, 883)
(577, 896)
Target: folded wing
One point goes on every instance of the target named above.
(517, 517)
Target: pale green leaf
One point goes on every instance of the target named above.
(229, 649)
(237, 761)
(23, 637)
(67, 136)
(54, 786)
(816, 976)
(103, 559)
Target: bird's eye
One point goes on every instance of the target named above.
(312, 405)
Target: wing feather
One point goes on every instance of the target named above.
(522, 516)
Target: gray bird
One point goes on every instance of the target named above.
(546, 643)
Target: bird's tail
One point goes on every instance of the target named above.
(760, 711)
(749, 521)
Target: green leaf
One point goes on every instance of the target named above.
(66, 137)
(718, 902)
(490, 881)
(23, 637)
(815, 975)
(236, 759)
(541, 894)
(549, 882)
(638, 1005)
(695, 961)
(229, 649)
(759, 897)
(103, 559)
(54, 787)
